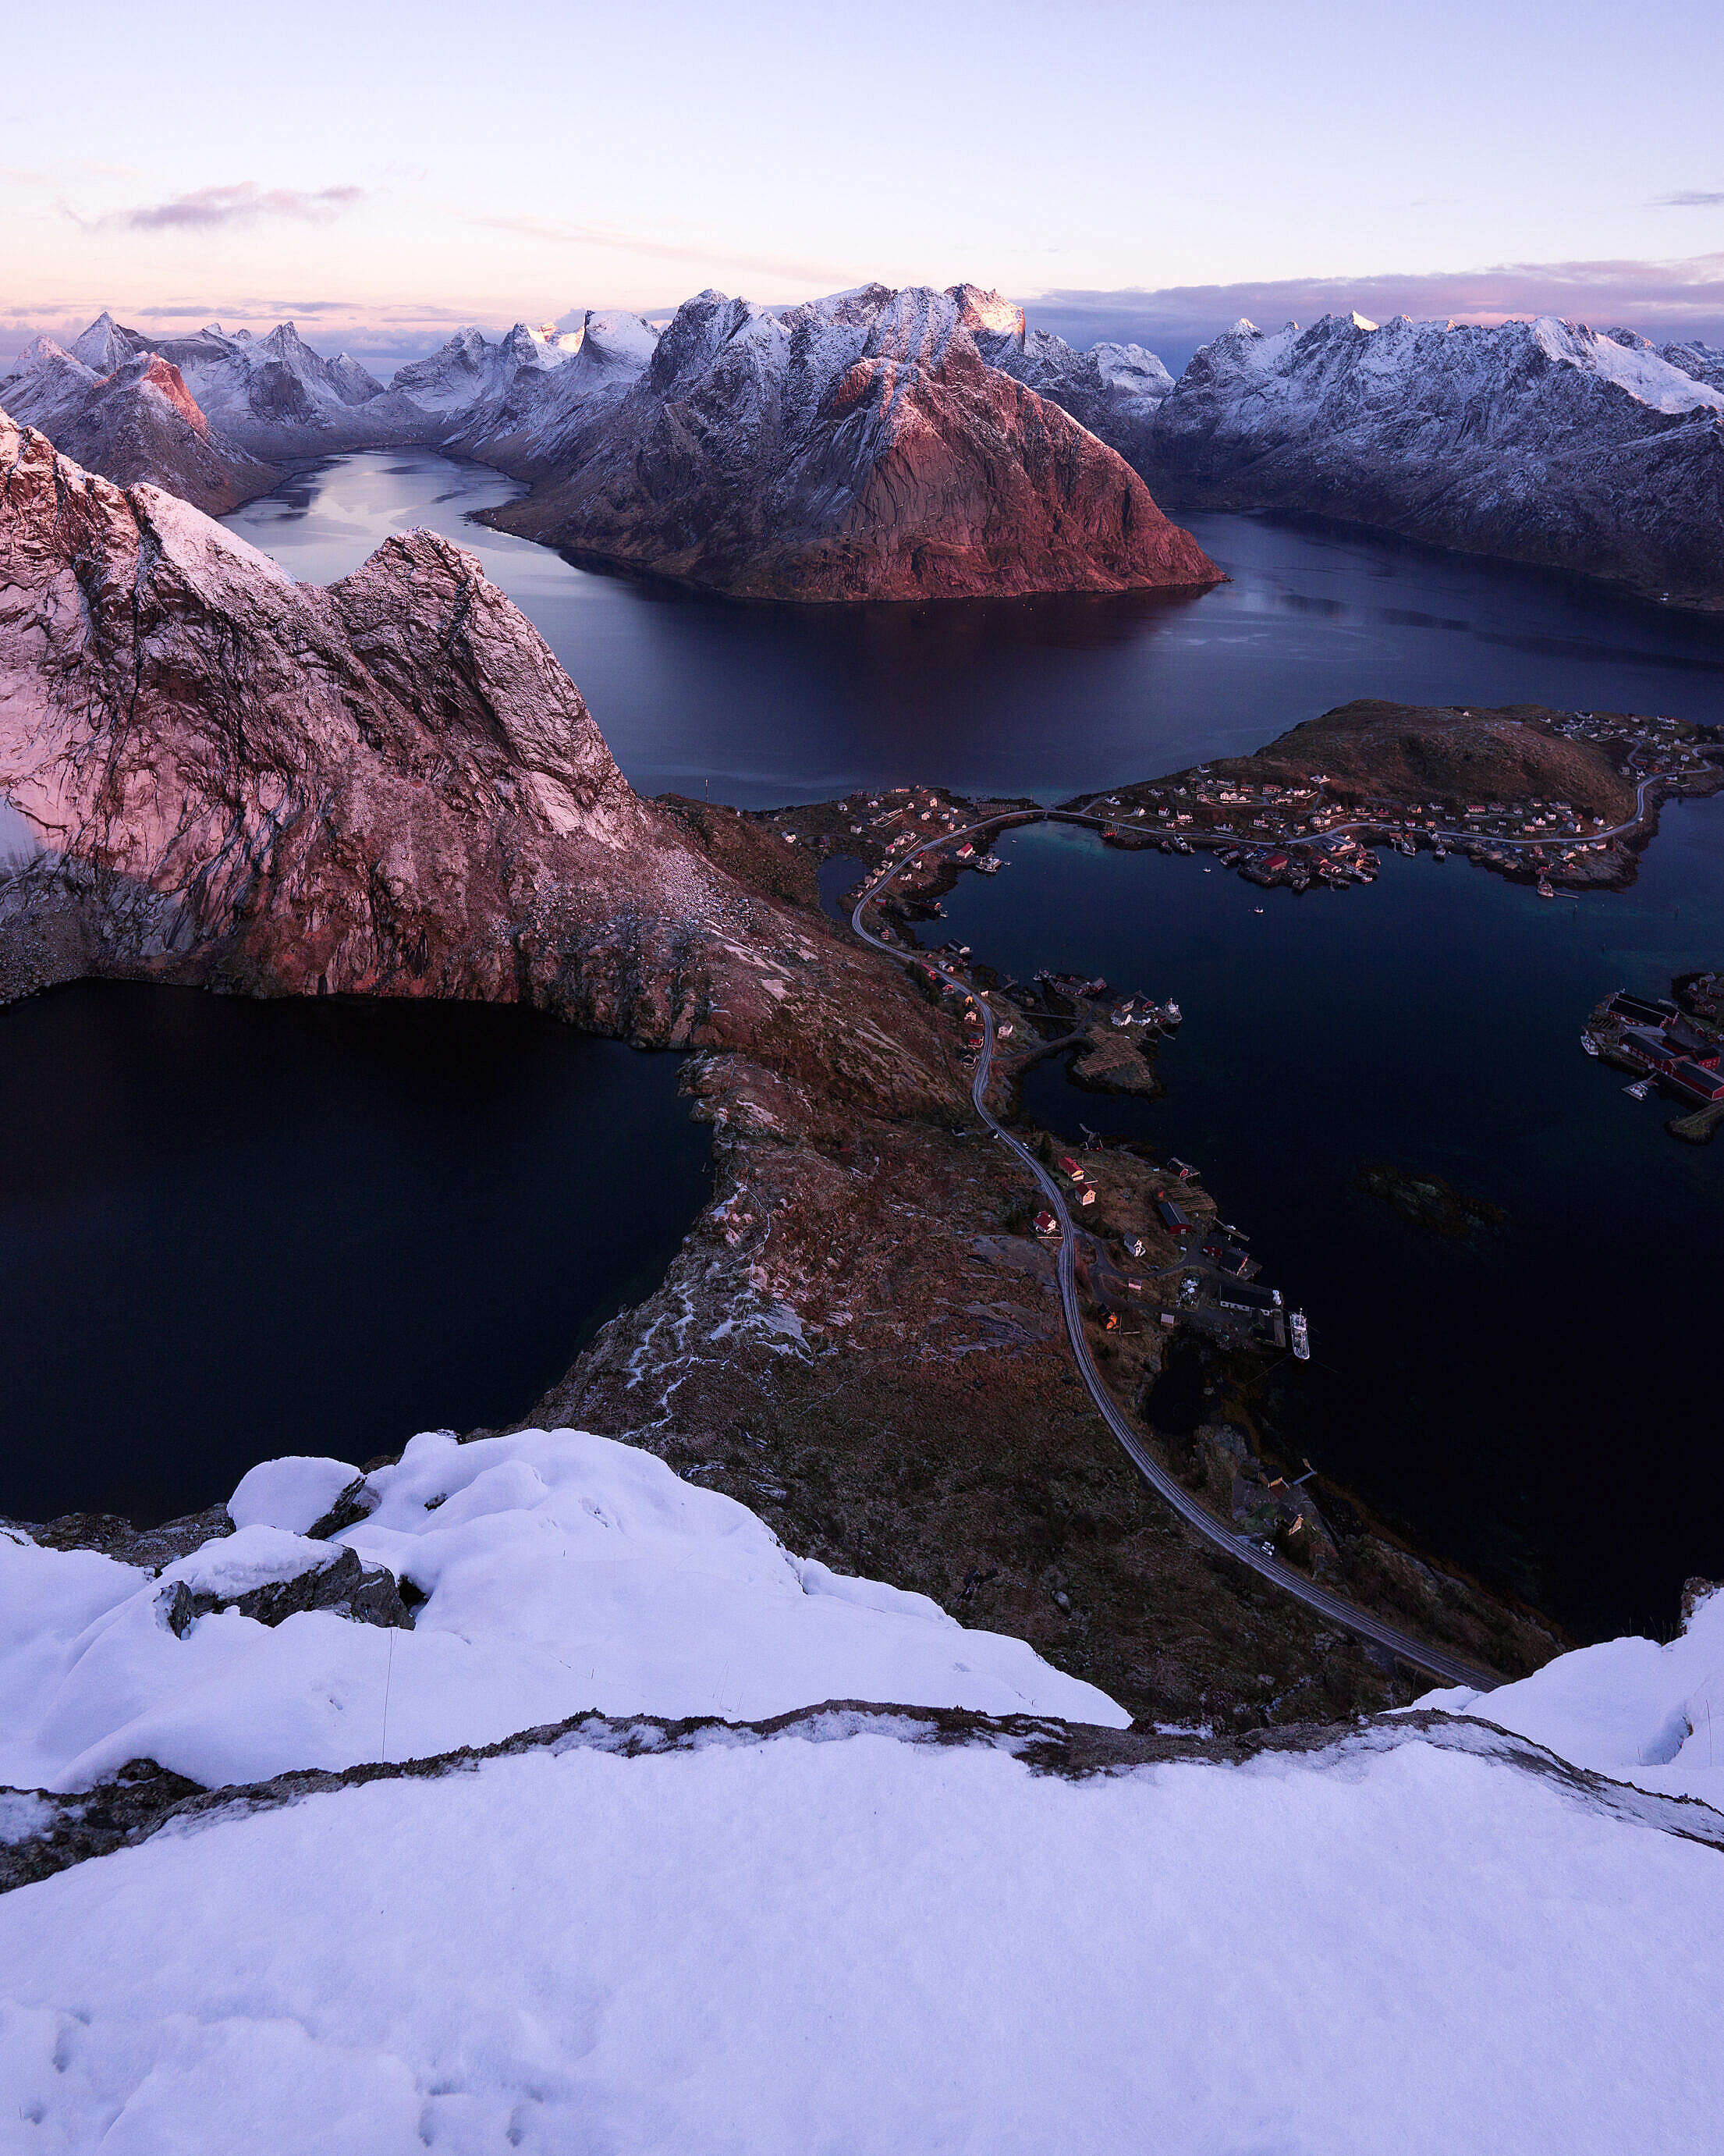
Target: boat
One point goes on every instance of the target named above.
(1588, 1044)
(1301, 1332)
(1638, 1090)
(1544, 888)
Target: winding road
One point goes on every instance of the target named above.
(1245, 1549)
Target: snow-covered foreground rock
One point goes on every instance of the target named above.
(1633, 1710)
(868, 1944)
(856, 1930)
(562, 1573)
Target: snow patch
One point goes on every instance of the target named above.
(293, 1493)
(1641, 1712)
(564, 1573)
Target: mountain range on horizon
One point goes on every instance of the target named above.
(868, 445)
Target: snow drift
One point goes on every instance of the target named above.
(561, 1572)
(850, 1931)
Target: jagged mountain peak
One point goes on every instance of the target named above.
(107, 344)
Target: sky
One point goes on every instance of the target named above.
(383, 174)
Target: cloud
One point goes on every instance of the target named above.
(1690, 198)
(1668, 299)
(243, 202)
(554, 232)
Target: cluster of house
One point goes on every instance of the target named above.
(1144, 1010)
(898, 817)
(1661, 1041)
(1668, 736)
(1222, 1274)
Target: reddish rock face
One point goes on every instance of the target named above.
(970, 484)
(140, 423)
(211, 774)
(857, 448)
(164, 379)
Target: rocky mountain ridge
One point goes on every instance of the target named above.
(856, 447)
(1545, 441)
(211, 774)
(741, 448)
(853, 448)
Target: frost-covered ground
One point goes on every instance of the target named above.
(564, 1573)
(756, 1943)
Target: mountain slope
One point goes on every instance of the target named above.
(1115, 390)
(388, 786)
(1543, 441)
(857, 447)
(135, 422)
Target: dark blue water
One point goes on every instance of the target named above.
(230, 1230)
(1542, 1401)
(767, 705)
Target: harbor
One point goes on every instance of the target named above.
(1673, 1044)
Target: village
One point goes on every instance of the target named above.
(1285, 820)
(1315, 829)
(1674, 1043)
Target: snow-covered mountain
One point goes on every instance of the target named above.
(135, 420)
(465, 376)
(1705, 363)
(865, 443)
(1115, 390)
(536, 395)
(690, 1905)
(272, 398)
(1542, 441)
(858, 446)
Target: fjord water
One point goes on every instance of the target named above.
(231, 1229)
(1539, 1401)
(767, 705)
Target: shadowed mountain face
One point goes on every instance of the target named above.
(1545, 442)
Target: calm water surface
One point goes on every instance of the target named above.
(230, 1230)
(1538, 1403)
(1541, 1402)
(767, 705)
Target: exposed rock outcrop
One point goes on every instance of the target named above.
(150, 1548)
(368, 1594)
(1544, 442)
(59, 1829)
